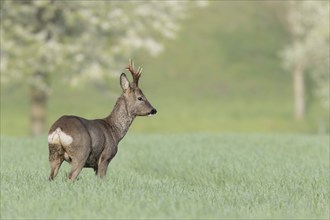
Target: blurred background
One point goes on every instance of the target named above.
(208, 66)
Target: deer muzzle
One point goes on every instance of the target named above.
(152, 112)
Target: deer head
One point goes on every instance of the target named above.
(136, 102)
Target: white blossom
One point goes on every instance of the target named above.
(83, 40)
(309, 25)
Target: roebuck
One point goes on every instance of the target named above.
(93, 143)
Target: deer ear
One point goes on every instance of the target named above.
(124, 83)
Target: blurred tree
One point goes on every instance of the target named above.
(308, 52)
(78, 40)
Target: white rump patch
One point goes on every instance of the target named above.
(59, 137)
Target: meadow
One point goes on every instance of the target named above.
(196, 175)
(224, 143)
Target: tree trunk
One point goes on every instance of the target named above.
(38, 103)
(299, 91)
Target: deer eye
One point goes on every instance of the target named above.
(140, 98)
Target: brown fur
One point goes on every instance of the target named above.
(94, 143)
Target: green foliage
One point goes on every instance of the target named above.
(226, 75)
(175, 176)
(222, 73)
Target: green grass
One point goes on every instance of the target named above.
(174, 176)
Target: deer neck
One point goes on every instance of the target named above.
(120, 119)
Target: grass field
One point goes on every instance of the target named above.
(174, 176)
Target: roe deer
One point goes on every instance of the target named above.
(93, 143)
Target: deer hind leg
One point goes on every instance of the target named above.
(76, 166)
(56, 158)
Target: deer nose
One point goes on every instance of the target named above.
(153, 111)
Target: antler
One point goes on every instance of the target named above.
(135, 74)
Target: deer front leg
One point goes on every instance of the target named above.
(102, 167)
(104, 161)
